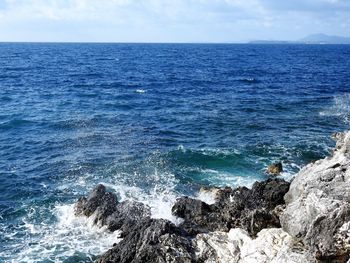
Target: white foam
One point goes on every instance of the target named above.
(56, 242)
(159, 199)
(161, 204)
(340, 108)
(160, 196)
(223, 178)
(140, 91)
(210, 171)
(30, 227)
(210, 151)
(181, 148)
(70, 235)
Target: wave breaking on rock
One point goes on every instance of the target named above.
(307, 220)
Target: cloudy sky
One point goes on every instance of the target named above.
(170, 20)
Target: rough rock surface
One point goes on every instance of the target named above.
(144, 239)
(99, 203)
(318, 205)
(106, 210)
(250, 209)
(150, 240)
(271, 245)
(156, 240)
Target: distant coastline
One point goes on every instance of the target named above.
(318, 39)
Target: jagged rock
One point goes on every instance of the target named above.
(329, 236)
(240, 225)
(251, 209)
(275, 169)
(127, 212)
(100, 203)
(266, 194)
(106, 210)
(144, 239)
(189, 208)
(150, 241)
(157, 240)
(318, 205)
(194, 212)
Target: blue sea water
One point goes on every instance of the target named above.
(152, 122)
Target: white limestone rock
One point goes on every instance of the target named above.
(318, 205)
(216, 247)
(271, 245)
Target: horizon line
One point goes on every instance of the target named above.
(252, 42)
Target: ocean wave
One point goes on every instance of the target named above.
(157, 189)
(230, 178)
(66, 237)
(77, 239)
(340, 108)
(160, 199)
(16, 123)
(69, 238)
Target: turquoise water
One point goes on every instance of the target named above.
(152, 122)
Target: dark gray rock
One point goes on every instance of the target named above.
(189, 208)
(156, 240)
(100, 203)
(198, 216)
(329, 236)
(106, 210)
(127, 213)
(150, 241)
(250, 209)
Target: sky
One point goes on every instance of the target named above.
(170, 20)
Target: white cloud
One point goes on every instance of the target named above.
(170, 20)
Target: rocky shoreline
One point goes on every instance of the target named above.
(307, 220)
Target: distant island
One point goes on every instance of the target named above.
(310, 39)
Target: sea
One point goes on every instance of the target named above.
(152, 122)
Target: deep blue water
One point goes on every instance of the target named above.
(152, 122)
